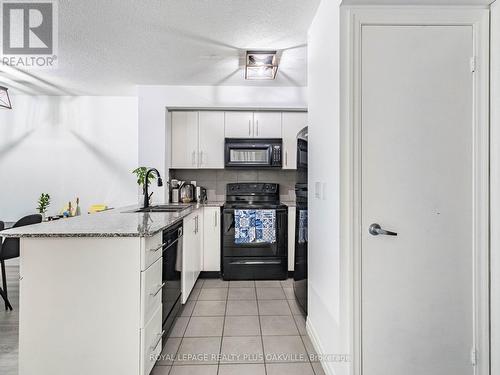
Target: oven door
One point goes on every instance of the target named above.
(232, 249)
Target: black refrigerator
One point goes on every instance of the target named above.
(301, 220)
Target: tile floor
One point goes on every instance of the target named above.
(239, 328)
(226, 328)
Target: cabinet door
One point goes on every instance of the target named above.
(184, 140)
(267, 125)
(189, 250)
(239, 124)
(199, 242)
(211, 239)
(293, 122)
(211, 140)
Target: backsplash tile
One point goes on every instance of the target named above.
(215, 180)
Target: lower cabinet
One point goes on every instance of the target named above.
(151, 342)
(192, 243)
(211, 239)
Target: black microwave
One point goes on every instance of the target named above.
(251, 152)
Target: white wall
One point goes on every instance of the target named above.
(495, 183)
(68, 147)
(327, 316)
(153, 101)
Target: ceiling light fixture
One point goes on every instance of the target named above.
(4, 98)
(261, 65)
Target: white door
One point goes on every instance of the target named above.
(239, 124)
(417, 180)
(184, 140)
(267, 124)
(211, 239)
(211, 140)
(293, 122)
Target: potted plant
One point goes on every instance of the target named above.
(43, 204)
(140, 173)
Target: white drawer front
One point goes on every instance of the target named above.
(151, 290)
(151, 342)
(151, 250)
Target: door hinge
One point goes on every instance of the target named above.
(473, 64)
(473, 356)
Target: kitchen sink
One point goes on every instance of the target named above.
(164, 208)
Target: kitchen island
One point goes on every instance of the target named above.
(89, 301)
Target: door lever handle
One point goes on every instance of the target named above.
(376, 229)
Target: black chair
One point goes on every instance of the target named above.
(10, 249)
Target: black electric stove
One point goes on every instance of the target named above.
(255, 260)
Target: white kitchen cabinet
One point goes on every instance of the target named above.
(267, 125)
(211, 140)
(191, 252)
(184, 140)
(239, 124)
(291, 237)
(293, 122)
(211, 239)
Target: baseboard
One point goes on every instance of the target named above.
(290, 274)
(210, 275)
(311, 331)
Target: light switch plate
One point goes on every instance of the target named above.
(317, 190)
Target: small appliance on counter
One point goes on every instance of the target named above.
(187, 193)
(175, 186)
(201, 194)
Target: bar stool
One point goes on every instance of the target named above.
(10, 249)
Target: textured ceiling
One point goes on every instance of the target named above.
(109, 46)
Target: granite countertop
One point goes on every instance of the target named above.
(119, 222)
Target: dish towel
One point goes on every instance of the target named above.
(265, 226)
(254, 226)
(302, 226)
(244, 226)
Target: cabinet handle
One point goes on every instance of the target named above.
(249, 127)
(215, 219)
(201, 157)
(286, 158)
(160, 335)
(193, 157)
(154, 294)
(257, 128)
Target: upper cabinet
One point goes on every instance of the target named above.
(293, 122)
(267, 125)
(211, 140)
(198, 136)
(239, 124)
(197, 140)
(185, 140)
(253, 124)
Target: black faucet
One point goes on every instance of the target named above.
(160, 183)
